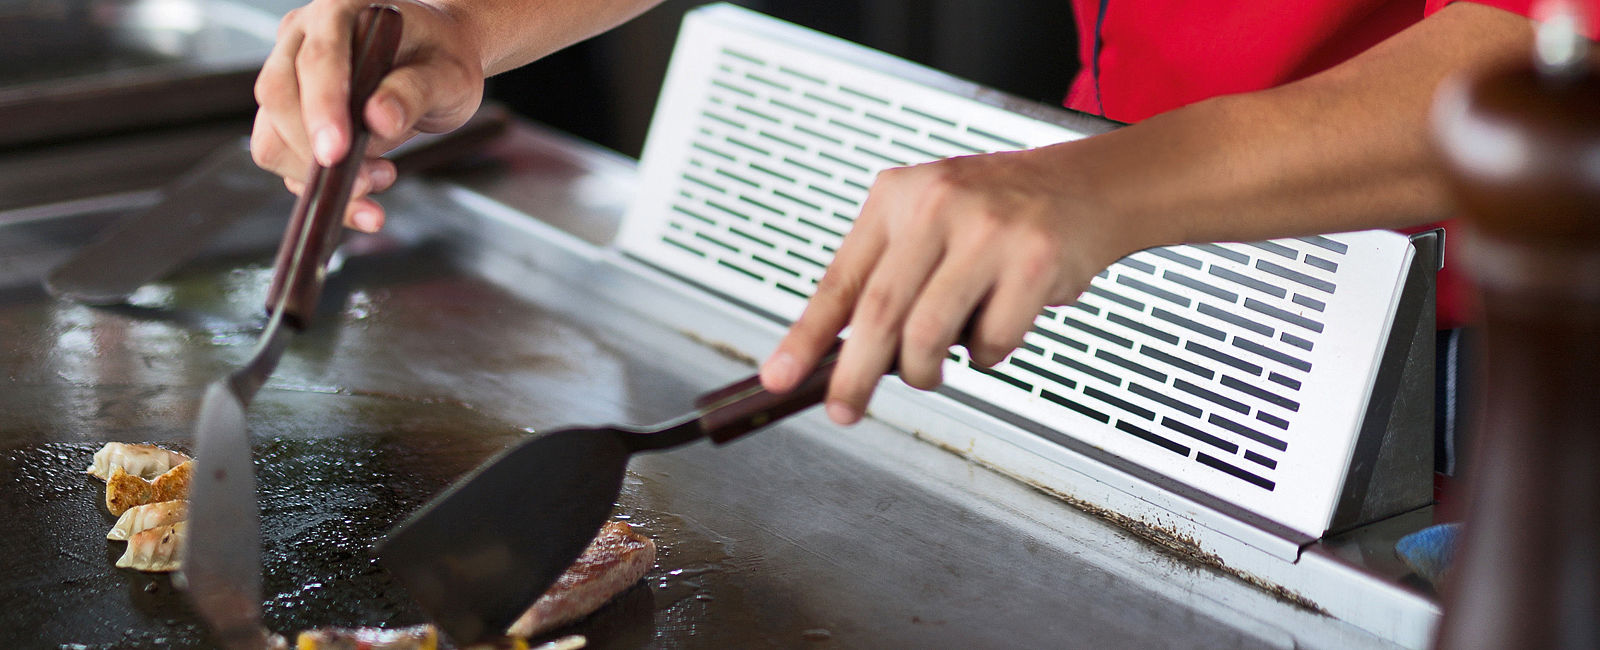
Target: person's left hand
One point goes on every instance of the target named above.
(990, 238)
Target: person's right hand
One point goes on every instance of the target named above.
(304, 89)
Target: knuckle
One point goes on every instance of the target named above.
(1036, 262)
(1067, 291)
(940, 187)
(949, 176)
(261, 152)
(926, 217)
(837, 285)
(267, 88)
(314, 50)
(463, 73)
(291, 22)
(983, 228)
(923, 338)
(876, 305)
(890, 177)
(992, 347)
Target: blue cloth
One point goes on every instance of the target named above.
(1430, 551)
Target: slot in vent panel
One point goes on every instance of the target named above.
(1236, 368)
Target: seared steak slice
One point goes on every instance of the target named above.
(617, 558)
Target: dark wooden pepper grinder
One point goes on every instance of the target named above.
(1522, 146)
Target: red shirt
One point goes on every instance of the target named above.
(1143, 57)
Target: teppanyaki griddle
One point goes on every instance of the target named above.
(455, 333)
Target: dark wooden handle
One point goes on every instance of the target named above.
(314, 227)
(744, 406)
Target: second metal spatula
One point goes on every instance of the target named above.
(479, 554)
(200, 206)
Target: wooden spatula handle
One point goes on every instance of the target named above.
(313, 229)
(744, 406)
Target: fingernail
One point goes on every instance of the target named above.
(842, 413)
(325, 145)
(366, 220)
(780, 370)
(382, 177)
(393, 114)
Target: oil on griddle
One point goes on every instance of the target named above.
(337, 465)
(324, 500)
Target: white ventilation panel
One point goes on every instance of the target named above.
(1241, 370)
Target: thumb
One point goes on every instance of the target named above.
(423, 96)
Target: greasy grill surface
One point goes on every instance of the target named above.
(348, 438)
(422, 364)
(324, 498)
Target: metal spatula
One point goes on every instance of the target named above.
(222, 559)
(479, 554)
(202, 204)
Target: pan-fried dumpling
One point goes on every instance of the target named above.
(417, 637)
(124, 490)
(156, 550)
(143, 461)
(149, 515)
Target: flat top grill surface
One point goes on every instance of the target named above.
(422, 365)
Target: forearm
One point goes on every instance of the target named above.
(1343, 150)
(512, 33)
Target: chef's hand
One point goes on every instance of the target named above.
(993, 238)
(304, 87)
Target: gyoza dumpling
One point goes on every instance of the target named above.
(149, 515)
(417, 637)
(156, 550)
(143, 461)
(124, 490)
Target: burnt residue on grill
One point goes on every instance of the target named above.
(1163, 539)
(727, 350)
(1183, 547)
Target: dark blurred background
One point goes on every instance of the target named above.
(604, 89)
(167, 80)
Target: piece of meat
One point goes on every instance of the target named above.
(148, 516)
(156, 550)
(124, 490)
(143, 461)
(570, 642)
(617, 558)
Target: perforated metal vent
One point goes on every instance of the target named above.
(1239, 369)
(1184, 349)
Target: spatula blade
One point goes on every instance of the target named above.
(222, 557)
(478, 555)
(145, 247)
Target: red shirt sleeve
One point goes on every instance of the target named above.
(1590, 8)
